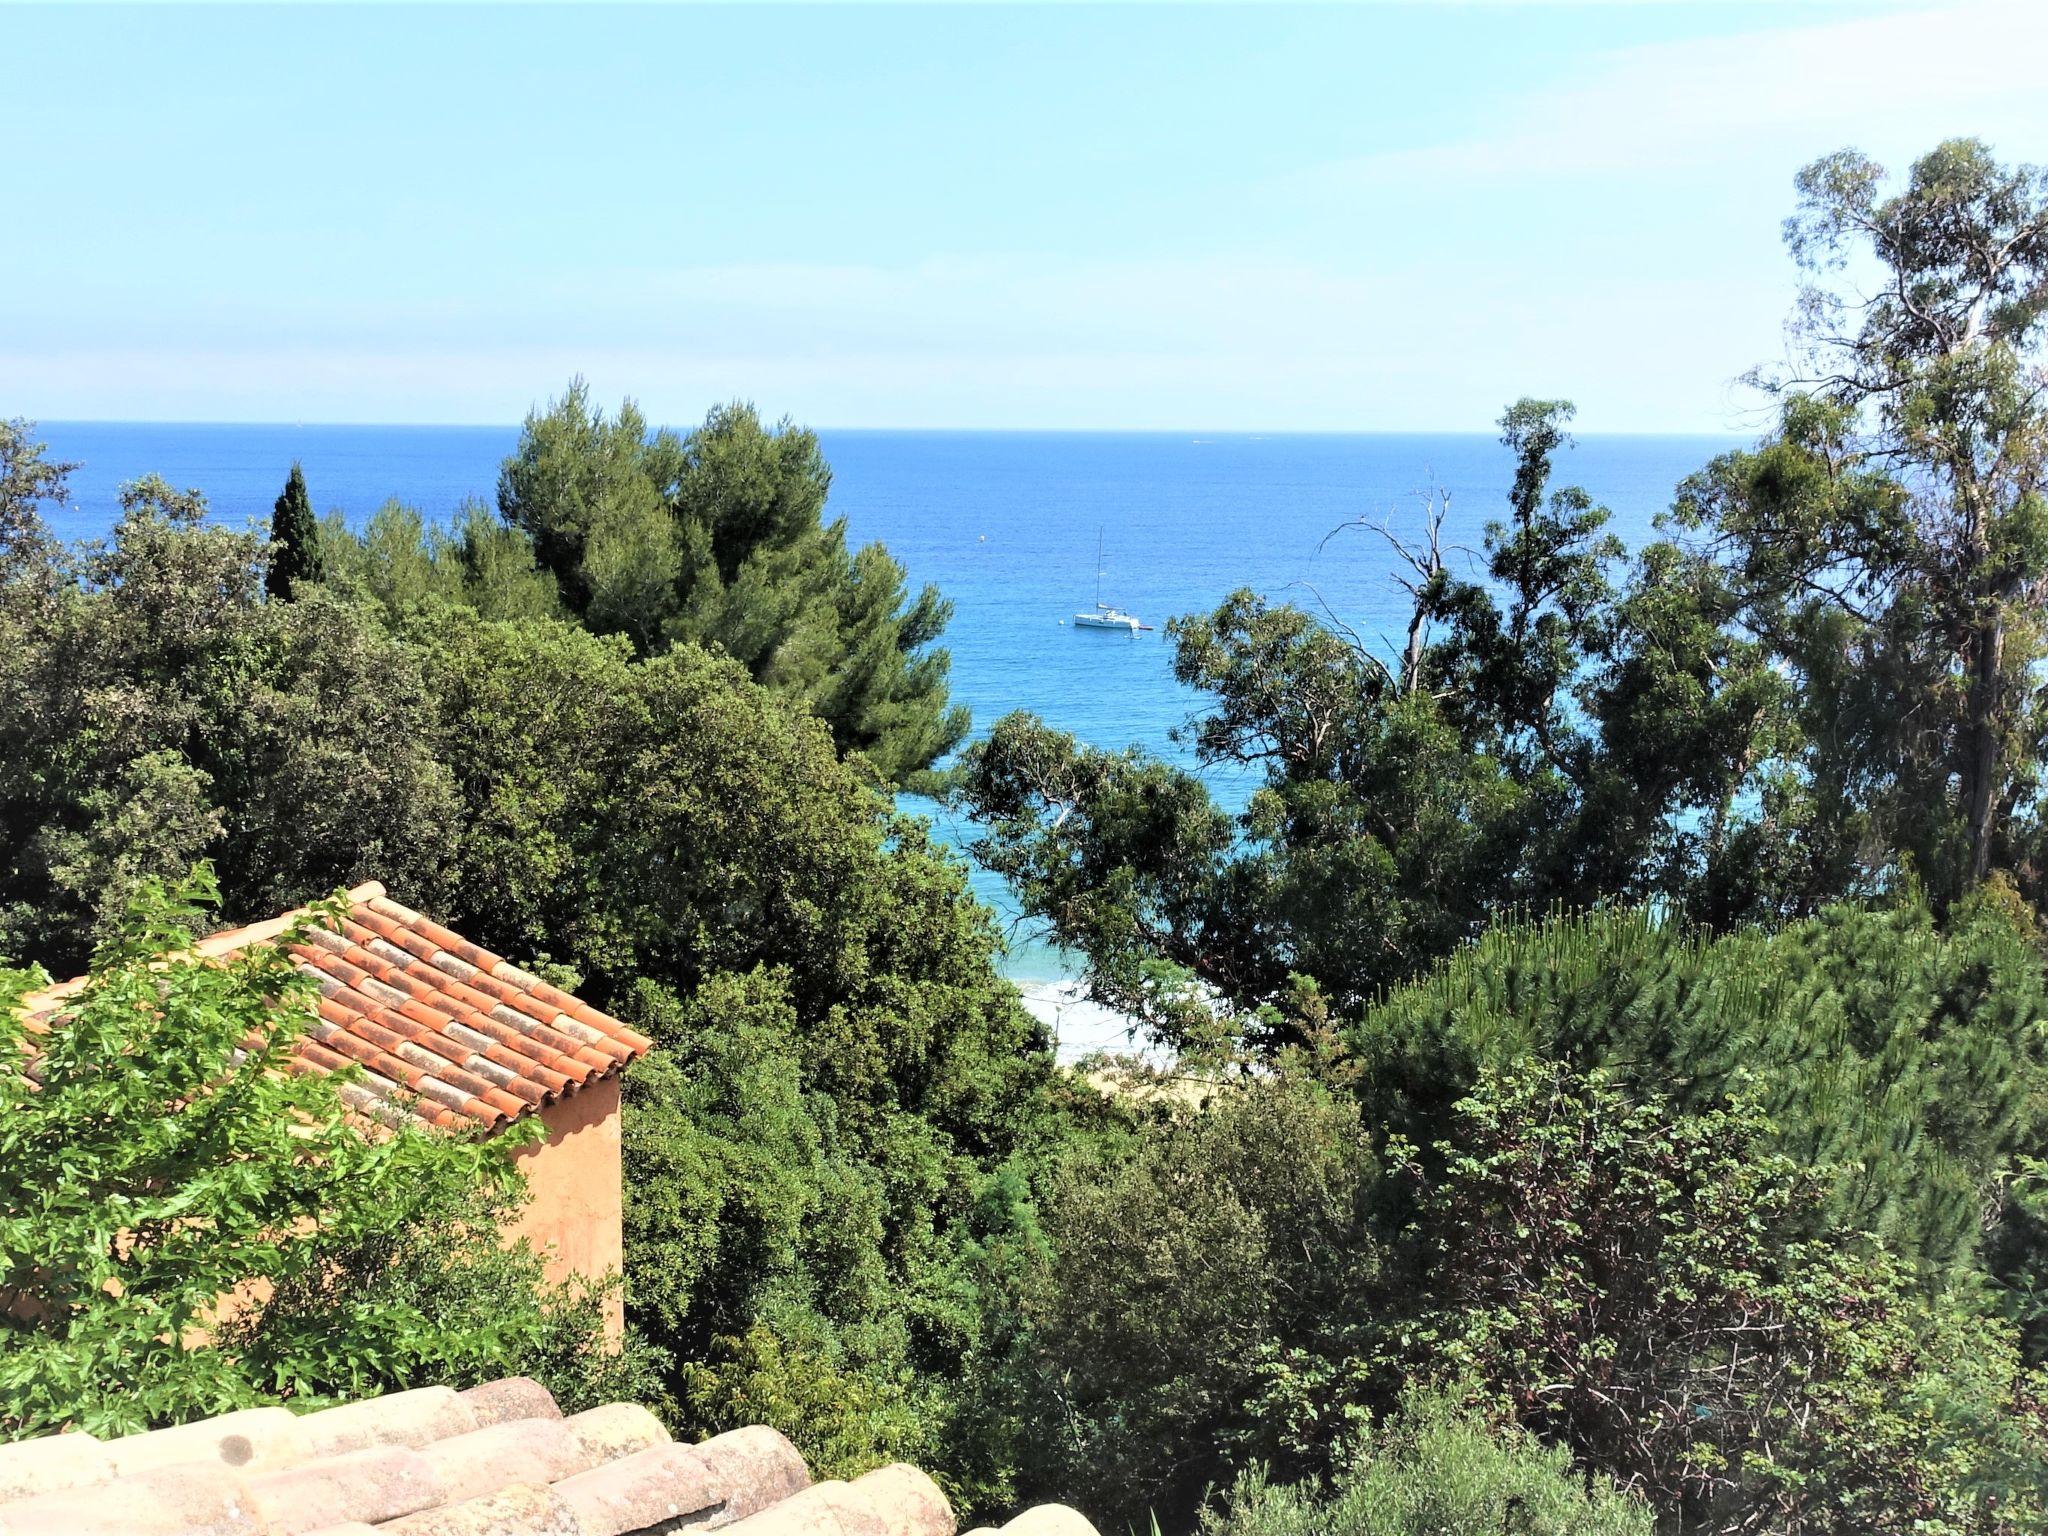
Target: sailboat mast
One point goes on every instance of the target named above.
(1098, 567)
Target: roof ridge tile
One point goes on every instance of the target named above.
(492, 1460)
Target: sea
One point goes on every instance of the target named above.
(1022, 531)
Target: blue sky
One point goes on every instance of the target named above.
(1370, 217)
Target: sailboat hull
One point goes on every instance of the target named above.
(1104, 616)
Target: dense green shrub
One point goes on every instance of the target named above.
(1437, 1467)
(1187, 1264)
(834, 1263)
(1636, 1284)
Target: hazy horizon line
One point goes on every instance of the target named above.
(1098, 431)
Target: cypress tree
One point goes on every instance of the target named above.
(294, 538)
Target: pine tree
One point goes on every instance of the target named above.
(1903, 1055)
(295, 539)
(718, 537)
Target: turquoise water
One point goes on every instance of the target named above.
(1006, 524)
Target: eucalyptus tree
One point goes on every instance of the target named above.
(1888, 543)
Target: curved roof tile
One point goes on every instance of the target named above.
(495, 1460)
(441, 1029)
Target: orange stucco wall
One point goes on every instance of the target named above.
(573, 1211)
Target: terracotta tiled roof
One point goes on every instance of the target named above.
(497, 1460)
(442, 1029)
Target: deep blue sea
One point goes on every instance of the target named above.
(1005, 523)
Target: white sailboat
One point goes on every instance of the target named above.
(1105, 616)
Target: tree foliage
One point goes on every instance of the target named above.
(1731, 1219)
(1903, 1055)
(1923, 399)
(188, 1227)
(826, 1211)
(155, 711)
(816, 1152)
(848, 1282)
(719, 538)
(295, 552)
(406, 566)
(1435, 1466)
(1504, 763)
(1823, 683)
(29, 477)
(1635, 1286)
(1186, 1265)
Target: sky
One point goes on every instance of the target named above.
(1369, 217)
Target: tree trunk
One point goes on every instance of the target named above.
(1980, 786)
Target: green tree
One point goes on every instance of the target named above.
(1888, 544)
(157, 1158)
(779, 1259)
(156, 711)
(719, 537)
(1504, 762)
(591, 492)
(819, 1149)
(295, 552)
(1902, 1055)
(405, 565)
(28, 478)
(1190, 1269)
